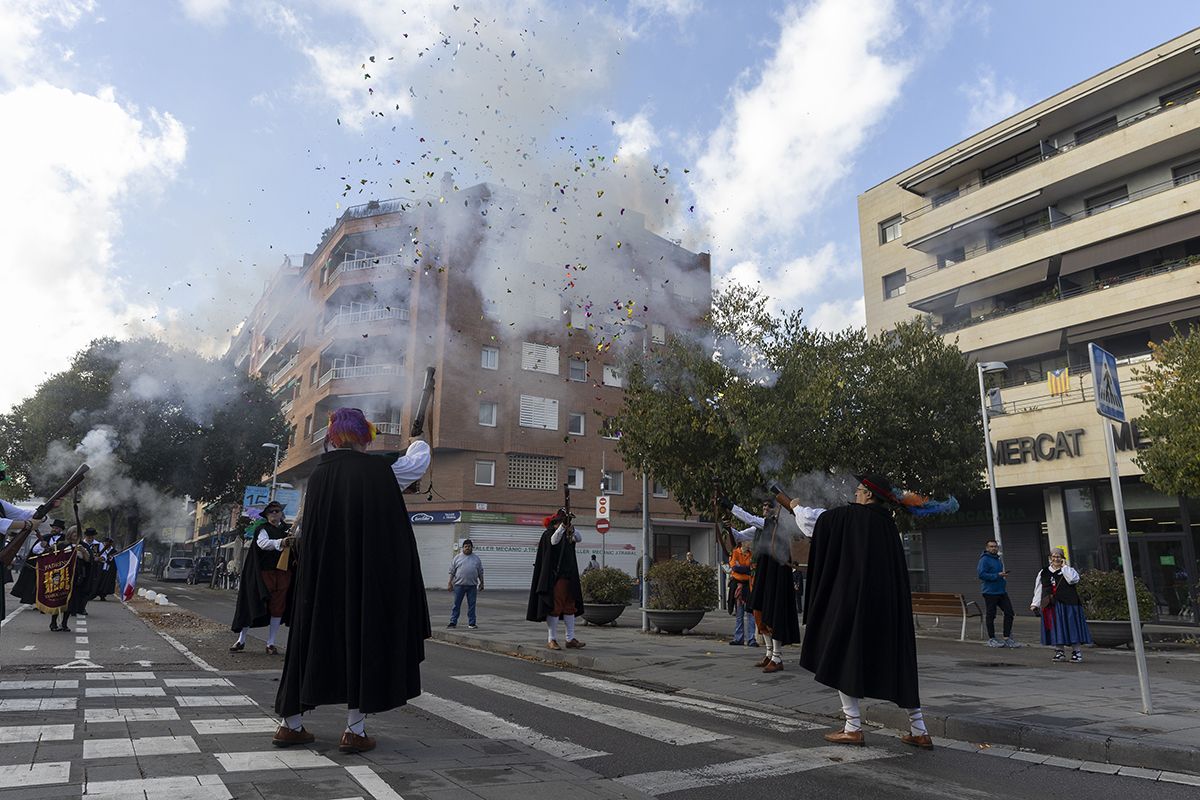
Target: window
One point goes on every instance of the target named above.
(539, 412)
(308, 429)
(533, 472)
(1095, 131)
(575, 477)
(889, 230)
(489, 358)
(612, 376)
(577, 370)
(1010, 165)
(312, 374)
(1182, 95)
(578, 319)
(1106, 200)
(616, 482)
(659, 490)
(658, 333)
(951, 257)
(1019, 229)
(485, 473)
(609, 429)
(1186, 173)
(576, 423)
(893, 284)
(487, 413)
(539, 358)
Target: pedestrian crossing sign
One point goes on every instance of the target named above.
(1108, 386)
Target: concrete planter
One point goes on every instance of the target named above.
(665, 621)
(602, 613)
(1111, 632)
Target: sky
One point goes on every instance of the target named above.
(161, 158)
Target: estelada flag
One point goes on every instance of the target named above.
(1058, 381)
(55, 579)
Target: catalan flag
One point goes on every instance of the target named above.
(1059, 381)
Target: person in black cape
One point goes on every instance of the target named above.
(95, 566)
(108, 580)
(265, 593)
(555, 590)
(773, 598)
(360, 618)
(859, 636)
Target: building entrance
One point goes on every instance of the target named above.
(1161, 561)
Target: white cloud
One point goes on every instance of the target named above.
(679, 9)
(208, 12)
(635, 136)
(21, 25)
(836, 315)
(77, 158)
(989, 101)
(787, 286)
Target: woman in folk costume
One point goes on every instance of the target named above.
(555, 591)
(360, 619)
(773, 596)
(1055, 598)
(859, 636)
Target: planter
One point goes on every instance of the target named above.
(665, 621)
(602, 613)
(1111, 632)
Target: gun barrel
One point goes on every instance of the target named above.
(418, 423)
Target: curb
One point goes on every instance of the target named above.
(1126, 752)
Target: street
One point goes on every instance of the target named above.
(123, 712)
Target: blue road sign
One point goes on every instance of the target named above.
(1108, 387)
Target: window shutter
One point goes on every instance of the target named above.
(539, 358)
(539, 412)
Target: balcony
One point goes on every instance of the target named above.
(282, 372)
(286, 408)
(362, 371)
(319, 436)
(370, 262)
(386, 428)
(368, 315)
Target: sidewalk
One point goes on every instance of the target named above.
(1000, 699)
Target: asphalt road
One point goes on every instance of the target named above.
(661, 745)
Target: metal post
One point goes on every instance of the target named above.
(274, 475)
(645, 524)
(991, 470)
(603, 537)
(1135, 617)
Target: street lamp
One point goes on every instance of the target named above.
(989, 367)
(274, 470)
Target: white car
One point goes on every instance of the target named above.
(177, 569)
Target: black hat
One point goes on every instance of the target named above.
(274, 505)
(466, 542)
(879, 485)
(58, 523)
(89, 531)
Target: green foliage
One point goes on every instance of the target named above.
(680, 586)
(756, 397)
(1171, 415)
(606, 585)
(1103, 596)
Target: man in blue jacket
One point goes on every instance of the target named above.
(993, 584)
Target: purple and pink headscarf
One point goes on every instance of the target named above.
(348, 426)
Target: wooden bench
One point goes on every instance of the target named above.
(946, 604)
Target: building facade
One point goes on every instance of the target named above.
(1076, 220)
(525, 359)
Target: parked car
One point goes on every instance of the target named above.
(201, 571)
(177, 569)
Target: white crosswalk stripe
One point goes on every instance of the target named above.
(195, 683)
(211, 727)
(37, 733)
(35, 774)
(198, 701)
(194, 787)
(124, 691)
(277, 759)
(38, 704)
(37, 685)
(94, 716)
(120, 676)
(145, 746)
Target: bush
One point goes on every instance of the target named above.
(680, 586)
(1103, 596)
(606, 585)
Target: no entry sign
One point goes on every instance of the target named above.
(602, 526)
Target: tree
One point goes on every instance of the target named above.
(1171, 415)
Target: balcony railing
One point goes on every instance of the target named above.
(369, 315)
(363, 371)
(286, 408)
(390, 428)
(1055, 223)
(278, 375)
(370, 262)
(1048, 152)
(319, 436)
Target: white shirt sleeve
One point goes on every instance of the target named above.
(806, 519)
(265, 542)
(556, 537)
(1037, 591)
(748, 518)
(412, 465)
(1070, 573)
(13, 514)
(744, 535)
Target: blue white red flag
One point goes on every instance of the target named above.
(128, 562)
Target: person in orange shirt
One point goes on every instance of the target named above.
(741, 566)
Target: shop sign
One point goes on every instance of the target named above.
(1062, 444)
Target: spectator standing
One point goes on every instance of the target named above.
(1055, 598)
(592, 564)
(993, 583)
(466, 577)
(741, 583)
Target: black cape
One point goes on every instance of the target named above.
(859, 636)
(251, 610)
(774, 592)
(360, 619)
(25, 587)
(553, 561)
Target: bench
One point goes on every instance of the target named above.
(946, 604)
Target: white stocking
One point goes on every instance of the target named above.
(768, 643)
(851, 713)
(916, 722)
(356, 722)
(569, 619)
(274, 629)
(776, 651)
(242, 636)
(552, 628)
(295, 721)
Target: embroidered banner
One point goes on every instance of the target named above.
(55, 578)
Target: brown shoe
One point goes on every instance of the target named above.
(286, 737)
(763, 662)
(923, 741)
(271, 650)
(237, 647)
(842, 737)
(575, 644)
(773, 666)
(553, 645)
(353, 743)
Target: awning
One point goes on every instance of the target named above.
(979, 220)
(1152, 238)
(1049, 342)
(1013, 279)
(919, 181)
(1129, 321)
(937, 303)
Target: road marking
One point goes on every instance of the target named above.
(39, 704)
(635, 722)
(490, 726)
(28, 648)
(81, 639)
(788, 762)
(35, 774)
(725, 712)
(120, 676)
(12, 614)
(198, 787)
(199, 700)
(212, 727)
(7, 685)
(37, 733)
(143, 663)
(267, 759)
(124, 691)
(376, 786)
(143, 746)
(79, 663)
(97, 715)
(83, 654)
(194, 683)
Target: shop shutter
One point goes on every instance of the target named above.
(952, 555)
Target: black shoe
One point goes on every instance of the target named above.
(452, 625)
(54, 626)
(736, 643)
(64, 628)
(237, 647)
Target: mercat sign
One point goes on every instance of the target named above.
(1063, 444)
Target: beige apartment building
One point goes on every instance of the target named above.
(1076, 220)
(525, 381)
